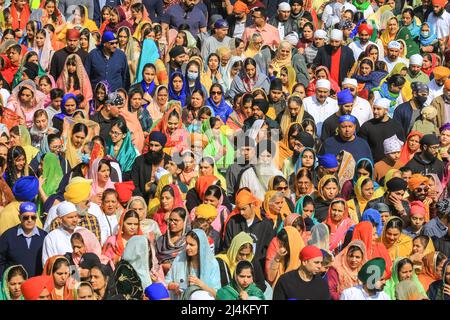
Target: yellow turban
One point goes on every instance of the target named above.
(441, 72)
(78, 190)
(206, 211)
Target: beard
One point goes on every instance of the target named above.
(440, 12)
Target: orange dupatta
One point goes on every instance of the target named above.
(68, 294)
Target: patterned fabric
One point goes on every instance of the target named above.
(127, 282)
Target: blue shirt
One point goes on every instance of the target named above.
(28, 237)
(114, 70)
(176, 15)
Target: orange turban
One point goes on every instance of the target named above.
(441, 3)
(195, 136)
(245, 197)
(240, 7)
(416, 180)
(447, 84)
(441, 72)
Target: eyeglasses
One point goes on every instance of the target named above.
(115, 133)
(26, 218)
(216, 93)
(282, 188)
(422, 189)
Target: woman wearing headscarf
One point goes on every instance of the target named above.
(149, 227)
(397, 243)
(51, 177)
(10, 287)
(219, 146)
(339, 222)
(400, 273)
(364, 191)
(430, 61)
(25, 99)
(159, 104)
(327, 191)
(321, 72)
(439, 290)
(405, 94)
(428, 40)
(24, 138)
(194, 266)
(410, 47)
(242, 111)
(283, 254)
(343, 273)
(390, 33)
(248, 79)
(430, 269)
(411, 147)
(170, 198)
(43, 47)
(217, 103)
(275, 207)
(99, 172)
(320, 237)
(305, 208)
(283, 58)
(58, 268)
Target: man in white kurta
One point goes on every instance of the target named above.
(439, 19)
(365, 31)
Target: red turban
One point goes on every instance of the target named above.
(310, 252)
(33, 287)
(125, 190)
(365, 27)
(418, 208)
(73, 34)
(441, 3)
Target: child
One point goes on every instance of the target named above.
(417, 218)
(56, 96)
(326, 264)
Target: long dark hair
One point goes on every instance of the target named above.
(11, 170)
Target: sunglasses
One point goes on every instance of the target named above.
(216, 93)
(422, 189)
(282, 188)
(26, 218)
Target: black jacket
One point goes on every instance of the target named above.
(232, 23)
(418, 165)
(289, 26)
(141, 173)
(323, 58)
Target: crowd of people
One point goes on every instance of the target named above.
(222, 149)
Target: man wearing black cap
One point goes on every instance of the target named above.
(108, 114)
(426, 162)
(177, 57)
(276, 98)
(260, 108)
(217, 40)
(393, 198)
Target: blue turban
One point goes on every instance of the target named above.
(345, 96)
(158, 136)
(108, 36)
(373, 216)
(27, 207)
(347, 118)
(328, 161)
(156, 291)
(26, 188)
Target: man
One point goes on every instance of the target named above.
(283, 22)
(239, 20)
(320, 106)
(438, 226)
(415, 73)
(381, 127)
(260, 108)
(277, 101)
(365, 31)
(442, 104)
(439, 20)
(372, 277)
(393, 55)
(304, 283)
(38, 288)
(392, 147)
(217, 40)
(185, 12)
(436, 85)
(443, 244)
(13, 52)
(24, 190)
(328, 164)
(319, 40)
(56, 96)
(60, 56)
(362, 109)
(249, 220)
(426, 161)
(423, 11)
(247, 150)
(108, 63)
(108, 114)
(22, 244)
(345, 101)
(347, 140)
(408, 112)
(336, 57)
(269, 33)
(394, 199)
(418, 188)
(177, 58)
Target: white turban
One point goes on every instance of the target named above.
(337, 34)
(201, 295)
(383, 103)
(350, 81)
(416, 60)
(284, 6)
(323, 83)
(392, 144)
(292, 38)
(394, 45)
(65, 208)
(320, 34)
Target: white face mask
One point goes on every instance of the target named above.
(425, 34)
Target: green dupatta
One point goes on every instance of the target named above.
(4, 291)
(127, 153)
(211, 149)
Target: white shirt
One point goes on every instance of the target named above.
(362, 110)
(358, 49)
(391, 64)
(239, 29)
(358, 293)
(94, 209)
(434, 91)
(57, 242)
(281, 29)
(441, 25)
(320, 112)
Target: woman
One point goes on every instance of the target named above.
(428, 40)
(327, 191)
(366, 77)
(364, 191)
(439, 289)
(232, 69)
(69, 104)
(194, 266)
(402, 270)
(170, 244)
(249, 79)
(99, 172)
(40, 130)
(128, 227)
(409, 45)
(87, 41)
(214, 69)
(431, 270)
(339, 222)
(216, 102)
(321, 72)
(58, 267)
(74, 79)
(289, 81)
(283, 254)
(411, 147)
(20, 136)
(294, 113)
(17, 166)
(307, 37)
(130, 46)
(158, 105)
(191, 112)
(430, 61)
(51, 177)
(192, 79)
(242, 286)
(149, 227)
(343, 273)
(170, 198)
(75, 143)
(177, 88)
(286, 146)
(48, 13)
(6, 195)
(219, 146)
(305, 208)
(254, 46)
(99, 278)
(320, 237)
(364, 167)
(390, 33)
(275, 207)
(12, 279)
(24, 100)
(241, 248)
(397, 243)
(43, 47)
(409, 21)
(283, 57)
(116, 21)
(120, 147)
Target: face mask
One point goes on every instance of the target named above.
(425, 34)
(192, 75)
(420, 100)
